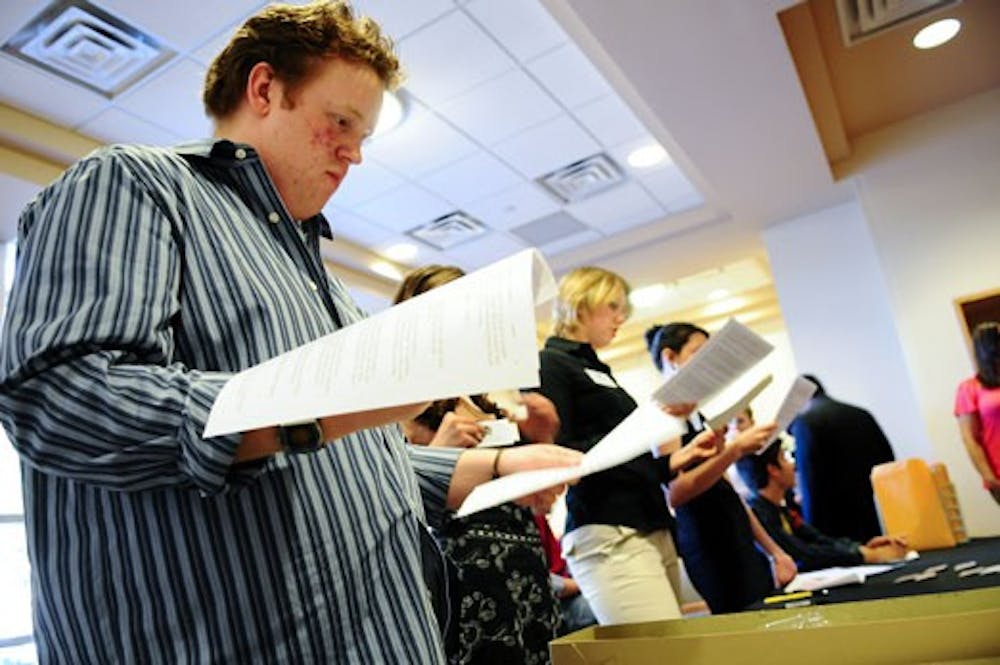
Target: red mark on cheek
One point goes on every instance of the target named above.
(325, 138)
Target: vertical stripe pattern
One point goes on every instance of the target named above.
(145, 278)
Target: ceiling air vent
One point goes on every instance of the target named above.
(583, 179)
(450, 230)
(861, 19)
(87, 46)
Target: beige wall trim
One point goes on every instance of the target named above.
(41, 138)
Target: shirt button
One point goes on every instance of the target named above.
(273, 217)
(240, 153)
(312, 285)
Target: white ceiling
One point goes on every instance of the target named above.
(502, 91)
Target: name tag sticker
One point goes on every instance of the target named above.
(600, 378)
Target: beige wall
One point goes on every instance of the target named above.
(934, 211)
(867, 288)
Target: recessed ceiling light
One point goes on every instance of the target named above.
(404, 251)
(937, 33)
(646, 156)
(385, 269)
(717, 294)
(391, 114)
(648, 296)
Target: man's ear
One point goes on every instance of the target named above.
(261, 92)
(668, 355)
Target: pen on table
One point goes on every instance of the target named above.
(796, 598)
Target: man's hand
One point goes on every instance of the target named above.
(784, 568)
(753, 439)
(706, 444)
(569, 589)
(537, 456)
(457, 431)
(884, 549)
(542, 423)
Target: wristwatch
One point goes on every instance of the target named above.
(301, 437)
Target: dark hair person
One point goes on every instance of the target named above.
(977, 407)
(716, 531)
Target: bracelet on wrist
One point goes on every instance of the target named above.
(496, 463)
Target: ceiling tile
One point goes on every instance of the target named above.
(548, 229)
(171, 99)
(181, 23)
(617, 209)
(421, 144)
(567, 243)
(206, 53)
(116, 126)
(47, 95)
(15, 14)
(450, 56)
(492, 247)
(514, 206)
(363, 183)
(399, 19)
(610, 121)
(547, 147)
(568, 75)
(487, 114)
(507, 20)
(405, 208)
(345, 224)
(670, 187)
(471, 179)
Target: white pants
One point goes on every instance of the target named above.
(625, 576)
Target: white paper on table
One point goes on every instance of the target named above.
(795, 400)
(499, 432)
(836, 576)
(724, 357)
(733, 400)
(643, 429)
(469, 336)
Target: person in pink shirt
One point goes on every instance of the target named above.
(977, 407)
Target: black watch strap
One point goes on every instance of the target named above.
(302, 437)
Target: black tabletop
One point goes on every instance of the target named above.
(976, 554)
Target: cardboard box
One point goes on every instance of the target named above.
(947, 627)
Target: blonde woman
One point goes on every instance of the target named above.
(617, 540)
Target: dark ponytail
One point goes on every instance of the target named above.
(672, 336)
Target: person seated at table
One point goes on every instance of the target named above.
(771, 477)
(502, 603)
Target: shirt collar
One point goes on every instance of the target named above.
(573, 348)
(227, 154)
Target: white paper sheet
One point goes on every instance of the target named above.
(499, 432)
(796, 398)
(837, 576)
(724, 357)
(469, 336)
(644, 429)
(733, 400)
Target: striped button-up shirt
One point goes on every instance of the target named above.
(145, 277)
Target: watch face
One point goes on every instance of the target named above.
(301, 438)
